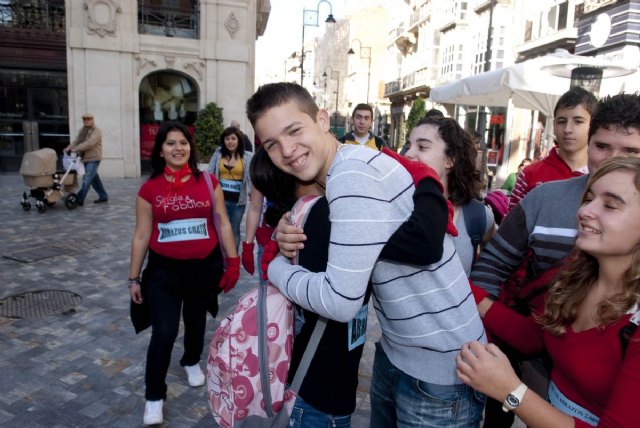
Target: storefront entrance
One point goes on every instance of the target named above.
(164, 95)
(33, 114)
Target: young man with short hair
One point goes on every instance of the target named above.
(568, 159)
(424, 311)
(362, 118)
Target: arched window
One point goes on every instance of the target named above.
(165, 95)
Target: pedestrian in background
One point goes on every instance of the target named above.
(230, 164)
(362, 120)
(245, 138)
(175, 225)
(89, 144)
(511, 178)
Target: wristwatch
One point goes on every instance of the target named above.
(514, 398)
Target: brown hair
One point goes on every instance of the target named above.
(573, 283)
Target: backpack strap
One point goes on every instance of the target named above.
(628, 330)
(215, 218)
(475, 221)
(299, 214)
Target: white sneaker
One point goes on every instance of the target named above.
(153, 412)
(194, 375)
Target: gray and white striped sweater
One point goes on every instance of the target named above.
(426, 313)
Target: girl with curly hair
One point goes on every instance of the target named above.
(442, 144)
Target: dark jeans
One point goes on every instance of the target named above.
(175, 286)
(91, 178)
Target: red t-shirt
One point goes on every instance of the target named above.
(182, 221)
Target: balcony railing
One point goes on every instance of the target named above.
(422, 77)
(169, 21)
(45, 17)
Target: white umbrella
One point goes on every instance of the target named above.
(529, 84)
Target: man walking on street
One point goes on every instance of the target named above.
(89, 144)
(362, 119)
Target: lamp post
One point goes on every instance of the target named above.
(310, 17)
(365, 53)
(334, 75)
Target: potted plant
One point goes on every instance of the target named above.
(209, 126)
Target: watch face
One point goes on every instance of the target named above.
(513, 400)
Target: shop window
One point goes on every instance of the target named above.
(164, 96)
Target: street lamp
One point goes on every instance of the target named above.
(365, 53)
(334, 75)
(310, 17)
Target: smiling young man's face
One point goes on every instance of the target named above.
(296, 143)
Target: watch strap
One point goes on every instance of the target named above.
(518, 393)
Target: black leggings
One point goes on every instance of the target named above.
(174, 285)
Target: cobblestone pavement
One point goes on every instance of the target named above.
(85, 368)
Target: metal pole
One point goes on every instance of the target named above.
(335, 124)
(369, 76)
(302, 54)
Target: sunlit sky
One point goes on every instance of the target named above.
(283, 35)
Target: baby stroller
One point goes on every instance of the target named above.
(38, 171)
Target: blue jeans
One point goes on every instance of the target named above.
(235, 213)
(303, 415)
(91, 178)
(399, 400)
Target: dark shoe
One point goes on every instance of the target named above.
(79, 204)
(99, 201)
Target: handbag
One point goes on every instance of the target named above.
(140, 313)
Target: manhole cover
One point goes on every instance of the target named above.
(40, 303)
(35, 254)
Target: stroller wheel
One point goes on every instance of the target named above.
(41, 207)
(26, 205)
(71, 201)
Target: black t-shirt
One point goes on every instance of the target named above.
(331, 381)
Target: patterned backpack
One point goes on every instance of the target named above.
(250, 352)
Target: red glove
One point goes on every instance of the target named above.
(419, 171)
(248, 262)
(478, 293)
(451, 227)
(263, 234)
(268, 254)
(231, 274)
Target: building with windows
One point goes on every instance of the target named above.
(130, 63)
(434, 43)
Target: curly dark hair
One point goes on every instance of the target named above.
(620, 112)
(158, 162)
(232, 130)
(463, 183)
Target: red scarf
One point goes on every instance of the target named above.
(176, 183)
